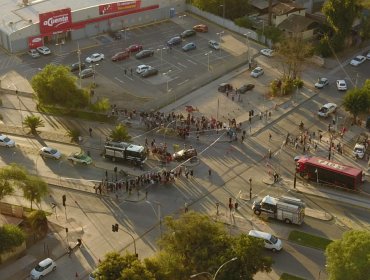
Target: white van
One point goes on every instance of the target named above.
(271, 242)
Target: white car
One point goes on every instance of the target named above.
(327, 109)
(267, 52)
(95, 57)
(43, 50)
(358, 60)
(48, 152)
(322, 82)
(368, 55)
(34, 53)
(43, 268)
(5, 141)
(213, 44)
(256, 72)
(341, 85)
(142, 68)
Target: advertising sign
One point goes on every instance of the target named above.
(119, 7)
(56, 21)
(34, 42)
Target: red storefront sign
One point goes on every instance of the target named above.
(34, 42)
(56, 21)
(118, 7)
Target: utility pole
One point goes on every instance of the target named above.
(79, 61)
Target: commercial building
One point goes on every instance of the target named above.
(29, 24)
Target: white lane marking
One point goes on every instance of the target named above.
(182, 65)
(192, 61)
(179, 84)
(119, 80)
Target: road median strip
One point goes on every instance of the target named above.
(309, 240)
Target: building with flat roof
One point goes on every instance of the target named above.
(29, 24)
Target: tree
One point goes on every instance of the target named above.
(340, 14)
(73, 133)
(55, 85)
(348, 258)
(10, 236)
(120, 133)
(5, 188)
(34, 189)
(33, 123)
(38, 221)
(357, 100)
(126, 267)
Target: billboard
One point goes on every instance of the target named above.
(119, 7)
(56, 21)
(34, 42)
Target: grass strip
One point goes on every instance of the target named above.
(309, 240)
(286, 276)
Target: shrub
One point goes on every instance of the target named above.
(74, 134)
(38, 222)
(10, 236)
(101, 105)
(244, 22)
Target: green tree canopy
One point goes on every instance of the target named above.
(34, 188)
(357, 100)
(10, 236)
(55, 85)
(120, 133)
(38, 222)
(349, 257)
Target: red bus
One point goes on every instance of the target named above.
(329, 172)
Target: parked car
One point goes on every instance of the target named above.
(188, 33)
(134, 48)
(256, 72)
(43, 50)
(267, 52)
(144, 54)
(121, 56)
(48, 152)
(322, 82)
(245, 88)
(43, 268)
(116, 35)
(200, 28)
(88, 72)
(33, 53)
(151, 71)
(184, 154)
(341, 85)
(174, 41)
(80, 157)
(358, 60)
(270, 241)
(95, 57)
(5, 141)
(189, 47)
(368, 55)
(224, 87)
(213, 44)
(76, 66)
(327, 109)
(142, 68)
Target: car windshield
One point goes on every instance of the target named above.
(6, 139)
(357, 59)
(273, 239)
(53, 151)
(323, 109)
(321, 82)
(358, 149)
(39, 268)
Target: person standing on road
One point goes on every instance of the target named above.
(90, 131)
(270, 136)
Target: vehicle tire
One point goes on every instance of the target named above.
(41, 276)
(54, 268)
(257, 212)
(84, 163)
(287, 221)
(113, 159)
(273, 250)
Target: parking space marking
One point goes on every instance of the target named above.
(129, 77)
(192, 61)
(182, 65)
(119, 80)
(183, 82)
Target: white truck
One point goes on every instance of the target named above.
(288, 209)
(361, 147)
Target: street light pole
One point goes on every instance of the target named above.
(132, 239)
(166, 74)
(79, 61)
(208, 54)
(248, 46)
(218, 270)
(219, 39)
(158, 213)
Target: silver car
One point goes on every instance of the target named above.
(256, 72)
(48, 152)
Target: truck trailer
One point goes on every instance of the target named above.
(329, 172)
(288, 209)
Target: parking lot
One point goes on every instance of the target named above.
(179, 71)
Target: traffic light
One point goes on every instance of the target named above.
(64, 200)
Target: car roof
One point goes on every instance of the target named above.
(45, 262)
(259, 234)
(327, 105)
(258, 68)
(360, 56)
(341, 81)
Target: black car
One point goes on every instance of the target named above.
(188, 33)
(174, 41)
(144, 53)
(150, 72)
(116, 35)
(245, 88)
(76, 66)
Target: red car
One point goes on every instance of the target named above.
(135, 48)
(200, 28)
(121, 56)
